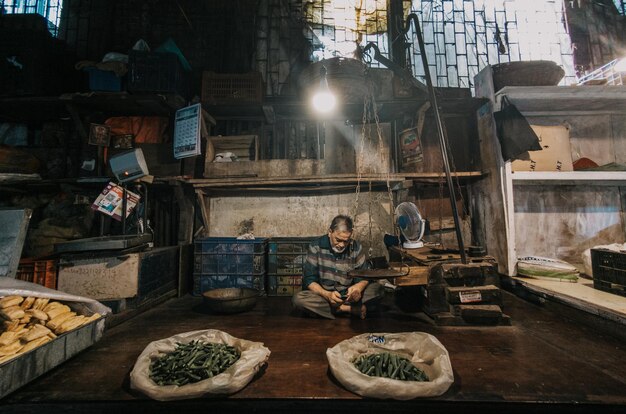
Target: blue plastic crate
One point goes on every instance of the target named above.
(283, 285)
(229, 256)
(203, 282)
(154, 72)
(287, 255)
(104, 80)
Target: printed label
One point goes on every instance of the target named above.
(470, 296)
(376, 339)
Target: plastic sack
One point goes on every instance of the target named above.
(423, 350)
(236, 377)
(85, 306)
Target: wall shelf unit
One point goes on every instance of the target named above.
(554, 214)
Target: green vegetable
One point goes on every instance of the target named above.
(192, 362)
(388, 365)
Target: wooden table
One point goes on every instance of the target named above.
(541, 363)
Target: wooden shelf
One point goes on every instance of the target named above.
(549, 99)
(329, 179)
(123, 103)
(291, 108)
(569, 177)
(32, 109)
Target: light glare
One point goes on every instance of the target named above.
(324, 101)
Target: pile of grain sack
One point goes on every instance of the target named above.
(58, 218)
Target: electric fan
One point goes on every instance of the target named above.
(411, 225)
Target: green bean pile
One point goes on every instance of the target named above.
(192, 362)
(388, 365)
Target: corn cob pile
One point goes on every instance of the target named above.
(27, 323)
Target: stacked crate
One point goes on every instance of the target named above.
(42, 272)
(223, 262)
(156, 72)
(609, 271)
(286, 259)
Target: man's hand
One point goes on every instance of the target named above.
(355, 292)
(334, 298)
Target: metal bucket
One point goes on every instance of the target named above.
(230, 300)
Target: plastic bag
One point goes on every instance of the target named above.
(423, 350)
(236, 377)
(514, 132)
(85, 306)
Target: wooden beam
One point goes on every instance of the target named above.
(331, 178)
(204, 209)
(417, 275)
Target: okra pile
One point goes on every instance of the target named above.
(388, 365)
(192, 362)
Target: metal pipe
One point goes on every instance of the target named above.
(440, 131)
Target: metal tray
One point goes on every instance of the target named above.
(25, 368)
(14, 225)
(103, 243)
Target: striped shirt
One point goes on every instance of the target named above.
(330, 269)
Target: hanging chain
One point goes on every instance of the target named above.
(361, 155)
(441, 180)
(369, 111)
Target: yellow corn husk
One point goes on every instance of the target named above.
(37, 314)
(8, 337)
(34, 344)
(52, 305)
(9, 301)
(54, 312)
(91, 318)
(11, 313)
(11, 325)
(35, 332)
(55, 323)
(52, 335)
(28, 303)
(40, 303)
(11, 349)
(7, 358)
(25, 319)
(71, 324)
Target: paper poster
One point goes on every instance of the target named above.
(109, 201)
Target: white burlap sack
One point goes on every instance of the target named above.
(422, 349)
(237, 376)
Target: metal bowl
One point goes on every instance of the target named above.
(230, 300)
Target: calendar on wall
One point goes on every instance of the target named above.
(188, 123)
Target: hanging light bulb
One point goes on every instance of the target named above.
(323, 100)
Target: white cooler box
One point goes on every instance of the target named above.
(113, 277)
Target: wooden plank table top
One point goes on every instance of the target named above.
(540, 363)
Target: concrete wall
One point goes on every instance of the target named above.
(302, 215)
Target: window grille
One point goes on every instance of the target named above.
(50, 9)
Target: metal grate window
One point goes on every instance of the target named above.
(50, 9)
(464, 36)
(461, 36)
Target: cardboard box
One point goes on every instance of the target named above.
(556, 153)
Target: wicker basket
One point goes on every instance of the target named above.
(531, 73)
(232, 88)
